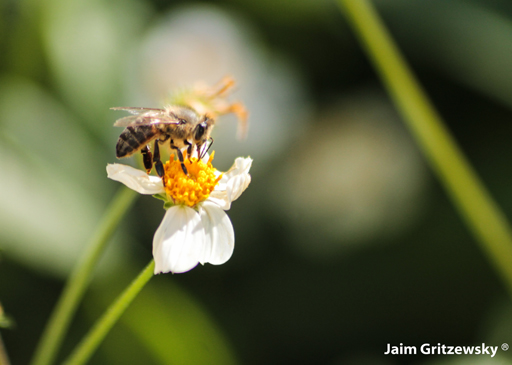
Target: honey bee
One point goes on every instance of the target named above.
(184, 127)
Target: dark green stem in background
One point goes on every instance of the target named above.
(91, 341)
(78, 281)
(483, 217)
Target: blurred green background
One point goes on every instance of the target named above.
(345, 241)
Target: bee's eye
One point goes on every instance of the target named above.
(182, 121)
(200, 129)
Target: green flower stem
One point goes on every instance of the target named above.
(77, 283)
(88, 345)
(483, 217)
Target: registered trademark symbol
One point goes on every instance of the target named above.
(504, 347)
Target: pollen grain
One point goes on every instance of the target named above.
(193, 188)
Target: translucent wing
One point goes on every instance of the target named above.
(144, 116)
(137, 110)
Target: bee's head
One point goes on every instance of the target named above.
(202, 133)
(202, 130)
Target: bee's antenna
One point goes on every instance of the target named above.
(207, 148)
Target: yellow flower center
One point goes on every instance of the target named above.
(193, 188)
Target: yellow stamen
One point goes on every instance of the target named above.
(193, 188)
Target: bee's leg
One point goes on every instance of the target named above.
(146, 159)
(190, 147)
(180, 157)
(159, 167)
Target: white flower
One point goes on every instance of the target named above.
(195, 229)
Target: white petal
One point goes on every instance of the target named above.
(242, 165)
(237, 185)
(220, 236)
(232, 184)
(220, 197)
(135, 179)
(179, 241)
(238, 178)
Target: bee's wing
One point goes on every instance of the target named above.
(137, 110)
(126, 121)
(143, 116)
(144, 120)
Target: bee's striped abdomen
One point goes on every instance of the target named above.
(133, 138)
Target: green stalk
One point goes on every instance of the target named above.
(91, 341)
(77, 283)
(483, 217)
